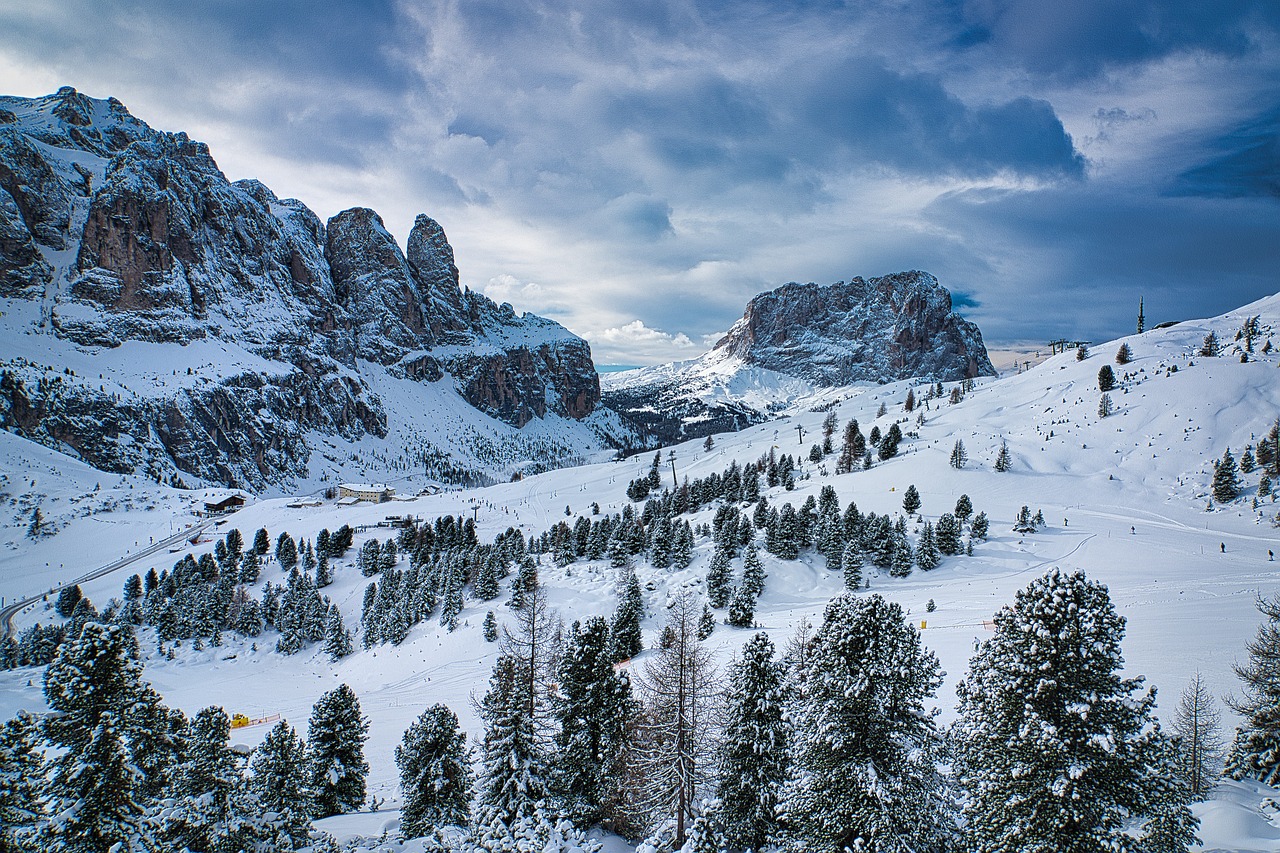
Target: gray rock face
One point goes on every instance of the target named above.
(883, 329)
(898, 326)
(135, 235)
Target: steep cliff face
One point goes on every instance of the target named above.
(897, 326)
(798, 339)
(114, 234)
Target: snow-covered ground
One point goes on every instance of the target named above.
(1124, 499)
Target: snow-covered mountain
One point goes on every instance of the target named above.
(159, 318)
(1124, 497)
(796, 340)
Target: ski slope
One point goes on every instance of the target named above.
(1124, 498)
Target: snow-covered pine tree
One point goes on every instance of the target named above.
(675, 735)
(959, 456)
(911, 500)
(91, 793)
(261, 541)
(1255, 754)
(1053, 748)
(513, 778)
(625, 640)
(337, 639)
(335, 748)
(211, 808)
(947, 534)
(682, 545)
(753, 754)
(927, 556)
(68, 598)
(851, 566)
(1003, 460)
(21, 772)
(158, 737)
(279, 767)
(719, 579)
(490, 628)
(979, 527)
(865, 750)
(753, 575)
(286, 552)
(1197, 723)
(900, 563)
(435, 774)
(486, 583)
(593, 708)
(1226, 478)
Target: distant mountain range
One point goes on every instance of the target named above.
(161, 319)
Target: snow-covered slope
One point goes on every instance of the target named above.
(1124, 498)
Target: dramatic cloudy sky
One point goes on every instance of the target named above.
(639, 169)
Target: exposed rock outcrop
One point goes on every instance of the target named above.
(798, 338)
(164, 249)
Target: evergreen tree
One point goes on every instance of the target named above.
(719, 579)
(1255, 754)
(212, 809)
(1106, 378)
(278, 766)
(978, 529)
(286, 552)
(1209, 348)
(625, 640)
(1124, 355)
(742, 608)
(911, 500)
(514, 775)
(68, 598)
(593, 708)
(486, 585)
(20, 773)
(1226, 479)
(947, 533)
(250, 567)
(927, 556)
(36, 526)
(435, 774)
(753, 754)
(92, 791)
(261, 542)
(324, 574)
(1003, 460)
(851, 566)
(1054, 749)
(753, 575)
(865, 750)
(1106, 408)
(1198, 726)
(490, 627)
(682, 546)
(335, 747)
(900, 563)
(959, 456)
(964, 509)
(337, 639)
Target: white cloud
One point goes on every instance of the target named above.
(636, 343)
(505, 287)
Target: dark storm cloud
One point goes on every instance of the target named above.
(1246, 162)
(1096, 252)
(1082, 38)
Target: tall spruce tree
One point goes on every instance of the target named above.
(1054, 749)
(753, 754)
(335, 746)
(851, 566)
(625, 639)
(593, 708)
(92, 789)
(21, 771)
(278, 767)
(513, 779)
(911, 500)
(1255, 754)
(435, 774)
(720, 579)
(865, 750)
(1226, 478)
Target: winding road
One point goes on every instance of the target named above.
(7, 614)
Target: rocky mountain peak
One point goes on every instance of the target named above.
(881, 329)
